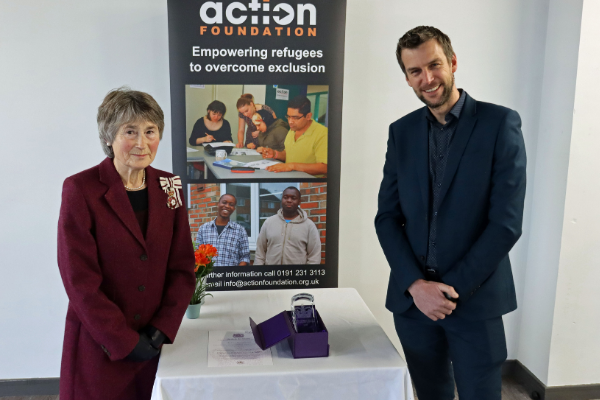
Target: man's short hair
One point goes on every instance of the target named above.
(419, 35)
(293, 188)
(300, 103)
(228, 194)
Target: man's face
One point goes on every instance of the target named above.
(290, 200)
(226, 206)
(296, 120)
(429, 73)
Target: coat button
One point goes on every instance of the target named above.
(141, 288)
(422, 258)
(105, 350)
(137, 317)
(143, 257)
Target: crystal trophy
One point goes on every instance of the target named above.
(304, 316)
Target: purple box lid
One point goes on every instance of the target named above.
(270, 332)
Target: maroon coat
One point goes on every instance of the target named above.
(118, 281)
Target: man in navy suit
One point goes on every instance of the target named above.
(450, 209)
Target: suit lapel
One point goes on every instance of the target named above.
(117, 199)
(466, 123)
(422, 158)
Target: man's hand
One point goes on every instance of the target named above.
(430, 300)
(268, 153)
(281, 167)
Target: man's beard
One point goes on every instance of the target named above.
(445, 95)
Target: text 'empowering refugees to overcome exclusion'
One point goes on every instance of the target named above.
(289, 60)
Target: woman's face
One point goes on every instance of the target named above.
(248, 110)
(262, 126)
(135, 144)
(214, 116)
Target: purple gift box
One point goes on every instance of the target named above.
(303, 345)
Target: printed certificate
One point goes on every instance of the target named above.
(235, 349)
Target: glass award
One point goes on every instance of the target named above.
(304, 316)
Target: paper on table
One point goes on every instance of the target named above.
(218, 144)
(235, 349)
(261, 164)
(244, 152)
(190, 150)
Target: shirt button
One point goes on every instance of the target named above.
(435, 213)
(144, 257)
(439, 185)
(141, 288)
(441, 156)
(137, 317)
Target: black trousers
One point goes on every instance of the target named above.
(453, 349)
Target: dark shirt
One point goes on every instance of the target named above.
(139, 203)
(200, 130)
(220, 228)
(440, 139)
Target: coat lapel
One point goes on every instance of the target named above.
(158, 211)
(117, 199)
(466, 123)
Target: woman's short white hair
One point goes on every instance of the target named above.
(122, 106)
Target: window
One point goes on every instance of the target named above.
(255, 203)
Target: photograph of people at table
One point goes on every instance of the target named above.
(284, 223)
(299, 137)
(305, 146)
(227, 236)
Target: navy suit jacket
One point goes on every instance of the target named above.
(480, 213)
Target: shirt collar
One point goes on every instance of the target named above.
(214, 222)
(454, 111)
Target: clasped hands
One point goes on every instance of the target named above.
(148, 346)
(430, 299)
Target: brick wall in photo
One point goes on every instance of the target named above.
(203, 200)
(314, 202)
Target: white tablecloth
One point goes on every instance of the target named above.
(362, 363)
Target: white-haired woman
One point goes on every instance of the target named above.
(125, 256)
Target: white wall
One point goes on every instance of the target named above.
(58, 59)
(500, 51)
(575, 352)
(547, 185)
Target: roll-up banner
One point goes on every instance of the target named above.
(256, 107)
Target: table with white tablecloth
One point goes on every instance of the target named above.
(362, 362)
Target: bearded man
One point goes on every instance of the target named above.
(450, 209)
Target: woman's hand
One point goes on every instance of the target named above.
(239, 145)
(251, 145)
(227, 141)
(255, 134)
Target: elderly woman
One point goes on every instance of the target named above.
(272, 132)
(125, 256)
(246, 110)
(212, 127)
